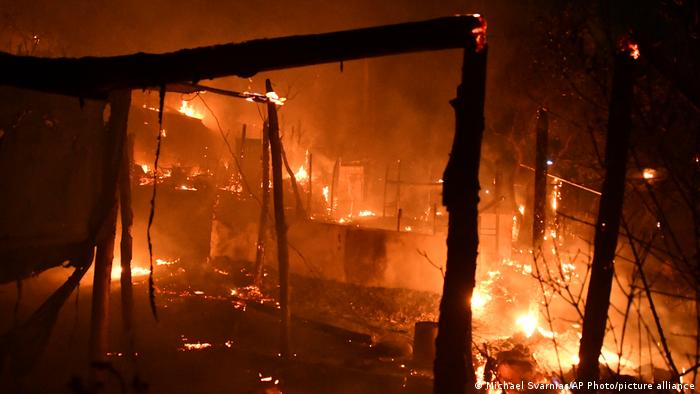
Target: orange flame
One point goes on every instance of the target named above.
(188, 110)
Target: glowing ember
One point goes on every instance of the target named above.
(366, 213)
(521, 209)
(195, 346)
(145, 168)
(165, 262)
(221, 272)
(480, 33)
(188, 110)
(649, 173)
(185, 187)
(556, 195)
(634, 50)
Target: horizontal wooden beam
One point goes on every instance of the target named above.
(94, 77)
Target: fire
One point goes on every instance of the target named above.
(326, 194)
(634, 51)
(479, 300)
(188, 110)
(527, 323)
(556, 195)
(188, 188)
(165, 262)
(480, 33)
(649, 173)
(301, 175)
(273, 97)
(366, 213)
(135, 271)
(145, 168)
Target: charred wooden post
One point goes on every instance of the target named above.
(241, 150)
(264, 207)
(99, 325)
(540, 202)
(126, 245)
(399, 214)
(309, 195)
(454, 371)
(280, 223)
(608, 223)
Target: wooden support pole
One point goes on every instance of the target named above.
(264, 207)
(399, 214)
(99, 323)
(607, 226)
(540, 200)
(309, 196)
(453, 369)
(126, 243)
(280, 224)
(114, 141)
(241, 149)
